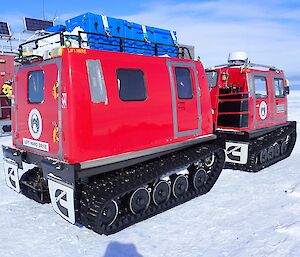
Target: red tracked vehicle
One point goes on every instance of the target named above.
(250, 109)
(6, 76)
(116, 138)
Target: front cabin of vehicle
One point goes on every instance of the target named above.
(249, 103)
(248, 98)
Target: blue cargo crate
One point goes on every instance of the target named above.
(56, 29)
(136, 38)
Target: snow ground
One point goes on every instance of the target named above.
(244, 215)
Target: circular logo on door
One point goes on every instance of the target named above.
(35, 123)
(263, 110)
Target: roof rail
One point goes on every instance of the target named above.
(83, 40)
(244, 65)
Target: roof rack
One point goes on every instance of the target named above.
(83, 41)
(243, 65)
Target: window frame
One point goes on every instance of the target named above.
(267, 90)
(217, 78)
(283, 88)
(144, 85)
(191, 84)
(28, 87)
(97, 86)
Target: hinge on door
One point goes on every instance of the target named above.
(55, 91)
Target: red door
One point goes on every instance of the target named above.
(186, 99)
(280, 108)
(37, 116)
(263, 108)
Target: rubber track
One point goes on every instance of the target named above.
(119, 184)
(258, 144)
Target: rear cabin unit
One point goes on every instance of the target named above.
(93, 107)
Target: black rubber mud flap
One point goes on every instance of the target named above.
(62, 198)
(11, 171)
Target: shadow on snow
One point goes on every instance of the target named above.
(116, 249)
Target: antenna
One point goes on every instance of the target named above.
(44, 9)
(55, 17)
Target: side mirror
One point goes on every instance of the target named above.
(287, 90)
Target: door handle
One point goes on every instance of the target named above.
(181, 105)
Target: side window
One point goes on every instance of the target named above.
(279, 88)
(212, 77)
(184, 83)
(96, 81)
(131, 84)
(260, 87)
(36, 87)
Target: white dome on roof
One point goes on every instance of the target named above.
(237, 57)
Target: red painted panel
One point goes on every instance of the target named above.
(6, 68)
(186, 109)
(96, 130)
(280, 108)
(238, 78)
(48, 109)
(6, 73)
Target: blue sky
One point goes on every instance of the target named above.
(269, 31)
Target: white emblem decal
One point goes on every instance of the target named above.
(263, 110)
(280, 108)
(62, 199)
(236, 152)
(64, 100)
(36, 144)
(35, 124)
(12, 175)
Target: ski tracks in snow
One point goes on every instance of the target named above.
(294, 191)
(292, 229)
